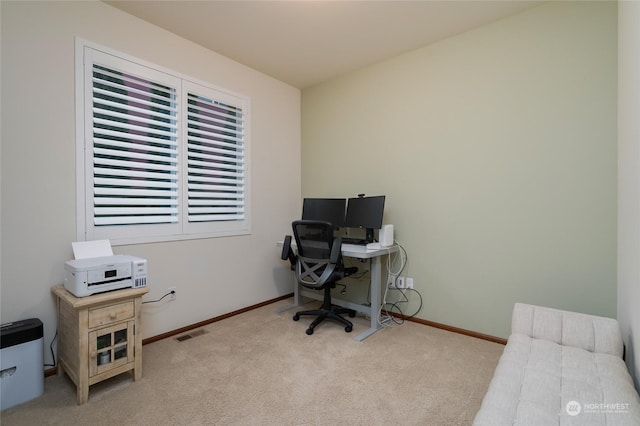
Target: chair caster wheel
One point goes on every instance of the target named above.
(296, 317)
(348, 329)
(309, 331)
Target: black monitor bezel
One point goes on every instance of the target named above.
(355, 219)
(335, 218)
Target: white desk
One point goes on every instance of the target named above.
(358, 252)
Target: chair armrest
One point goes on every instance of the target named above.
(287, 252)
(336, 249)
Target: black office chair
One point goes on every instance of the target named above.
(318, 265)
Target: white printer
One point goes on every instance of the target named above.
(88, 276)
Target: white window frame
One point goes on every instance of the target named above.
(183, 229)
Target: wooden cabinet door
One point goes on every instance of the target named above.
(111, 347)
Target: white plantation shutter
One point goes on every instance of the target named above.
(216, 159)
(135, 149)
(160, 157)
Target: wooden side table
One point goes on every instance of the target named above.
(99, 336)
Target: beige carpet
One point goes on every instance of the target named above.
(260, 368)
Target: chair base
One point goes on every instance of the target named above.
(332, 312)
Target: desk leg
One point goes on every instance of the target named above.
(376, 282)
(297, 298)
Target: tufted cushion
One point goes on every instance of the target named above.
(537, 376)
(589, 332)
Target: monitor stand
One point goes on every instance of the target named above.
(369, 235)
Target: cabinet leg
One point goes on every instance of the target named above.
(137, 370)
(83, 395)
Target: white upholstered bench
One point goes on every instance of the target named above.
(560, 368)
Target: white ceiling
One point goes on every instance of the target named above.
(306, 42)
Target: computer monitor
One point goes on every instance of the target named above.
(366, 213)
(327, 209)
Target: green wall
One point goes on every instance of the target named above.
(496, 150)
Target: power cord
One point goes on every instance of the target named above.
(53, 355)
(158, 300)
(387, 308)
(385, 313)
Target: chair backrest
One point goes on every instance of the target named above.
(314, 238)
(319, 261)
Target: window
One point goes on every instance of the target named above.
(160, 156)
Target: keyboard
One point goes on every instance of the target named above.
(354, 241)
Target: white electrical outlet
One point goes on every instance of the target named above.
(400, 282)
(392, 281)
(172, 293)
(409, 283)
